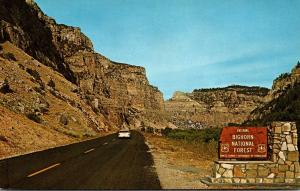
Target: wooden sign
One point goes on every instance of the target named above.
(243, 142)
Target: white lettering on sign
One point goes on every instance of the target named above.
(242, 137)
(242, 130)
(242, 150)
(242, 143)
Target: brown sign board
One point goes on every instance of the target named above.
(243, 143)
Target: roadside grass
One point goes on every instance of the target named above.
(182, 162)
(202, 142)
(75, 134)
(207, 151)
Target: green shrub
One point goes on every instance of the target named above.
(34, 117)
(149, 130)
(193, 135)
(282, 76)
(166, 131)
(64, 119)
(5, 88)
(298, 65)
(40, 90)
(51, 83)
(9, 56)
(33, 73)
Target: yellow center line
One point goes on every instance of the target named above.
(89, 151)
(43, 170)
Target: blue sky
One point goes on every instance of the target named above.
(191, 44)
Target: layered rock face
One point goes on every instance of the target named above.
(21, 24)
(214, 107)
(54, 89)
(120, 92)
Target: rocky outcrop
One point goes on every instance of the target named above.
(38, 106)
(284, 82)
(214, 107)
(119, 92)
(282, 102)
(20, 24)
(122, 92)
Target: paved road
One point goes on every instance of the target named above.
(102, 163)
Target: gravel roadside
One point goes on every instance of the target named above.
(177, 167)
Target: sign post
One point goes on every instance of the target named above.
(243, 143)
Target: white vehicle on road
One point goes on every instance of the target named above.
(124, 133)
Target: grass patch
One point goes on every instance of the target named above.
(193, 135)
(208, 151)
(75, 134)
(70, 133)
(203, 142)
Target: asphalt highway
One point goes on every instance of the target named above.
(103, 163)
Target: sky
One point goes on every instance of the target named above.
(190, 44)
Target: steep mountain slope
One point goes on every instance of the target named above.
(283, 101)
(214, 107)
(38, 106)
(21, 24)
(120, 90)
(52, 78)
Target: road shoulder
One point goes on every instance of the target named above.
(177, 168)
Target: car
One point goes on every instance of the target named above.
(124, 133)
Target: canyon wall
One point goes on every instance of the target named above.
(214, 107)
(55, 89)
(282, 102)
(120, 92)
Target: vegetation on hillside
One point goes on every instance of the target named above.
(287, 74)
(247, 90)
(204, 141)
(284, 108)
(298, 64)
(8, 56)
(282, 76)
(193, 135)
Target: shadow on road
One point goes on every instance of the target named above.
(101, 163)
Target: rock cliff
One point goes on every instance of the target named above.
(51, 76)
(282, 102)
(214, 107)
(117, 88)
